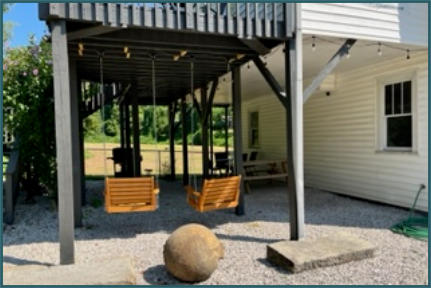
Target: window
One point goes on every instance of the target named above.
(398, 116)
(254, 130)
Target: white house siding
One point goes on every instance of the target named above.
(340, 137)
(388, 22)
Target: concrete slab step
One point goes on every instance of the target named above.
(118, 271)
(338, 248)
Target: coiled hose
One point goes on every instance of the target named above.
(413, 226)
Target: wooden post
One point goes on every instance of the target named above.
(64, 141)
(211, 127)
(204, 132)
(122, 138)
(237, 140)
(294, 117)
(226, 129)
(129, 166)
(184, 132)
(74, 113)
(172, 109)
(81, 147)
(136, 142)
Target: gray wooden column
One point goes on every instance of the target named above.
(172, 110)
(204, 132)
(211, 127)
(136, 134)
(81, 146)
(294, 118)
(226, 129)
(122, 130)
(184, 134)
(237, 138)
(64, 141)
(76, 145)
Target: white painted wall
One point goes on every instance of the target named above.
(341, 131)
(387, 22)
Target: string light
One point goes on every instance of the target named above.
(128, 55)
(183, 53)
(81, 49)
(408, 54)
(313, 44)
(176, 57)
(239, 56)
(379, 50)
(126, 49)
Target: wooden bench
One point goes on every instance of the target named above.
(219, 193)
(264, 170)
(138, 194)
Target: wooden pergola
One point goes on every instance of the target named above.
(217, 37)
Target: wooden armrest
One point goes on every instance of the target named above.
(191, 191)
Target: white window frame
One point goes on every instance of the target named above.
(250, 128)
(382, 131)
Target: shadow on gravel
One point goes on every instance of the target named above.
(158, 275)
(18, 261)
(266, 203)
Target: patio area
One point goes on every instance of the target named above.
(33, 239)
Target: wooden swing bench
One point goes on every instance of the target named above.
(216, 194)
(130, 194)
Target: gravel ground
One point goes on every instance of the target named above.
(399, 260)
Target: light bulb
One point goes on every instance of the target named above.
(80, 53)
(126, 49)
(176, 57)
(183, 53)
(313, 44)
(81, 46)
(379, 50)
(408, 54)
(128, 55)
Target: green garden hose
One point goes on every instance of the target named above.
(413, 226)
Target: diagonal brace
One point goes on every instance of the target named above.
(270, 79)
(327, 69)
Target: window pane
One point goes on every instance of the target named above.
(399, 131)
(388, 99)
(397, 98)
(407, 90)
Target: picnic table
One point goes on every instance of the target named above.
(263, 170)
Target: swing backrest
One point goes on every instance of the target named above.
(130, 194)
(220, 193)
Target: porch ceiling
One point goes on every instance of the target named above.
(209, 53)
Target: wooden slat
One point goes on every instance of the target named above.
(281, 175)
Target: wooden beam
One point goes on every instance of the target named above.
(184, 134)
(136, 134)
(294, 118)
(237, 139)
(64, 141)
(208, 108)
(328, 68)
(91, 31)
(256, 45)
(172, 111)
(74, 113)
(270, 79)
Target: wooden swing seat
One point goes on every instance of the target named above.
(137, 194)
(220, 193)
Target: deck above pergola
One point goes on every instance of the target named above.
(213, 38)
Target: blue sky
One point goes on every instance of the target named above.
(26, 19)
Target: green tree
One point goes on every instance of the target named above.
(7, 25)
(28, 101)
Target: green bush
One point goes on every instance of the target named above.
(28, 100)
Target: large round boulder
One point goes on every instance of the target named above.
(192, 252)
